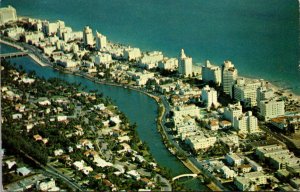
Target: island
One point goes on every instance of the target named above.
(234, 133)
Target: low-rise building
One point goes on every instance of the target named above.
(228, 173)
(264, 152)
(201, 141)
(33, 37)
(254, 166)
(141, 78)
(234, 159)
(283, 122)
(249, 181)
(15, 32)
(213, 124)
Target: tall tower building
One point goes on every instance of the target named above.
(88, 38)
(185, 66)
(211, 73)
(210, 97)
(101, 41)
(7, 14)
(229, 77)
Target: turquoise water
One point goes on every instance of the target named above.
(138, 107)
(259, 36)
(7, 49)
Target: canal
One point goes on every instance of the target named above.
(138, 107)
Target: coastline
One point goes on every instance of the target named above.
(160, 127)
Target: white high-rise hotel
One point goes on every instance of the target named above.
(185, 66)
(233, 111)
(209, 96)
(7, 14)
(101, 41)
(229, 76)
(245, 91)
(211, 73)
(246, 123)
(88, 38)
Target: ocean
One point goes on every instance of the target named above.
(261, 37)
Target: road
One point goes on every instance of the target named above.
(191, 162)
(51, 170)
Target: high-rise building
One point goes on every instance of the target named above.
(185, 66)
(101, 41)
(211, 73)
(246, 123)
(7, 14)
(245, 91)
(264, 93)
(52, 28)
(210, 97)
(170, 64)
(229, 76)
(88, 38)
(271, 108)
(233, 111)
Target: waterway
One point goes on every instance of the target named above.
(259, 36)
(138, 107)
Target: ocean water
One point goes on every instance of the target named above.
(261, 37)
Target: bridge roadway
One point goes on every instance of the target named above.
(184, 175)
(10, 55)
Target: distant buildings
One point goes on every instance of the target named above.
(185, 65)
(131, 54)
(51, 29)
(102, 58)
(150, 60)
(141, 78)
(101, 41)
(210, 97)
(7, 14)
(229, 76)
(170, 64)
(88, 38)
(211, 73)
